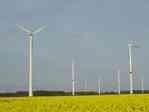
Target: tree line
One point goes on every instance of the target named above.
(64, 93)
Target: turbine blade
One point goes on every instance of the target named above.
(23, 28)
(39, 29)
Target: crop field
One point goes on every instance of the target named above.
(104, 103)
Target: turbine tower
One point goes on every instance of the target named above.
(142, 85)
(118, 81)
(130, 46)
(99, 86)
(30, 34)
(73, 78)
(85, 85)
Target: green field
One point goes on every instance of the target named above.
(105, 103)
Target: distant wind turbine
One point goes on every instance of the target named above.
(99, 86)
(30, 34)
(73, 78)
(142, 85)
(130, 46)
(85, 85)
(118, 81)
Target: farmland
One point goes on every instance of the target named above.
(104, 103)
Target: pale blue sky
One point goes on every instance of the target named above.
(95, 32)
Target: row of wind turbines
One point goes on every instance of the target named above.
(30, 35)
(131, 46)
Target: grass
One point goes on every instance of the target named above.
(104, 103)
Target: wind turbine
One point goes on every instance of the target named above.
(118, 81)
(85, 85)
(73, 78)
(30, 34)
(142, 85)
(99, 86)
(130, 46)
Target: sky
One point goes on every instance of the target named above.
(95, 33)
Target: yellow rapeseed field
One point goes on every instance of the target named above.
(105, 103)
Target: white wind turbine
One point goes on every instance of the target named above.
(73, 78)
(99, 86)
(30, 34)
(85, 85)
(118, 81)
(130, 46)
(142, 85)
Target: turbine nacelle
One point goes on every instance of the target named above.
(133, 44)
